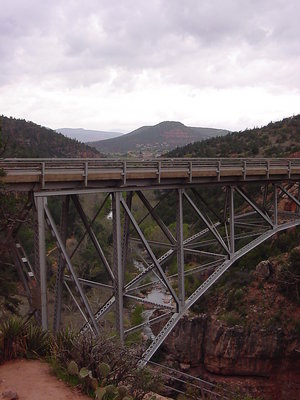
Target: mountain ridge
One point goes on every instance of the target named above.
(23, 138)
(276, 139)
(88, 135)
(156, 139)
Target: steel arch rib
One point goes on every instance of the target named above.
(166, 330)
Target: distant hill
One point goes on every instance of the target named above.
(155, 139)
(26, 139)
(87, 135)
(277, 139)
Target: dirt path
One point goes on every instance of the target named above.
(32, 380)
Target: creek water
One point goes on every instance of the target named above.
(156, 293)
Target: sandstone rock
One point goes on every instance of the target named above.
(237, 351)
(263, 270)
(10, 395)
(184, 367)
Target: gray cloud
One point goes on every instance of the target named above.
(229, 42)
(118, 46)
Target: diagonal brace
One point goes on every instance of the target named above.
(150, 252)
(71, 269)
(293, 198)
(254, 206)
(209, 226)
(156, 217)
(92, 234)
(90, 224)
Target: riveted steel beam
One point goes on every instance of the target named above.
(156, 217)
(61, 265)
(118, 265)
(92, 235)
(253, 205)
(150, 252)
(180, 248)
(210, 226)
(42, 263)
(75, 280)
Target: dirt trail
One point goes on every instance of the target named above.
(32, 380)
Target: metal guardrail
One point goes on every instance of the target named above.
(80, 163)
(90, 169)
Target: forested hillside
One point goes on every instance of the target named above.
(153, 140)
(26, 139)
(277, 139)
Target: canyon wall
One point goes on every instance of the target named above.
(265, 362)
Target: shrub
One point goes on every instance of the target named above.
(231, 318)
(13, 338)
(38, 341)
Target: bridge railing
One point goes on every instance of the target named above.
(150, 163)
(87, 169)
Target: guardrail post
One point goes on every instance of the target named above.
(158, 171)
(86, 172)
(124, 172)
(43, 174)
(219, 170)
(268, 169)
(191, 171)
(244, 170)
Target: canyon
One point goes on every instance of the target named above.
(260, 361)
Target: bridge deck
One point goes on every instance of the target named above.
(91, 173)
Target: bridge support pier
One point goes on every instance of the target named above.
(61, 265)
(118, 264)
(180, 249)
(42, 264)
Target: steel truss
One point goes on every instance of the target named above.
(218, 239)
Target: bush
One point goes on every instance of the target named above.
(231, 318)
(22, 339)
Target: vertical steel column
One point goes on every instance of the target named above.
(40, 202)
(117, 264)
(298, 208)
(275, 205)
(61, 265)
(180, 252)
(126, 232)
(231, 220)
(265, 197)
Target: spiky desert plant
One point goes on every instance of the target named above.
(122, 392)
(104, 369)
(73, 368)
(63, 345)
(13, 338)
(38, 341)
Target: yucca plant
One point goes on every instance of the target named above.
(13, 340)
(38, 341)
(63, 345)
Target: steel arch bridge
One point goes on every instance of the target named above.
(258, 199)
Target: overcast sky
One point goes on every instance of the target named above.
(120, 64)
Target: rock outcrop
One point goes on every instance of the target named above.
(267, 358)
